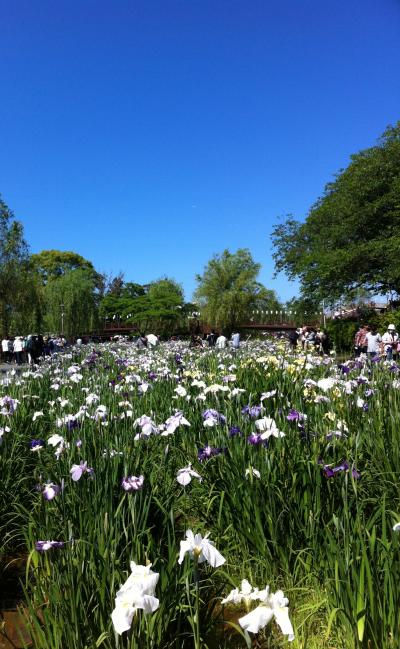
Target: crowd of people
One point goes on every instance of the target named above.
(28, 349)
(368, 341)
(310, 338)
(217, 340)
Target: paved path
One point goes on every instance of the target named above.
(8, 367)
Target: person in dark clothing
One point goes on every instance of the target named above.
(212, 338)
(293, 338)
(40, 345)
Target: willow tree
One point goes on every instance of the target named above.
(19, 303)
(228, 289)
(71, 303)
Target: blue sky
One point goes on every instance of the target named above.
(148, 136)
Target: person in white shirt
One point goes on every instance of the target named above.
(221, 342)
(152, 341)
(4, 349)
(389, 340)
(373, 342)
(18, 349)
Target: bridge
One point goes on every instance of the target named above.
(119, 329)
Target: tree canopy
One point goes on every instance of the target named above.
(158, 305)
(19, 303)
(53, 264)
(228, 289)
(351, 236)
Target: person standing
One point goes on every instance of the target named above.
(18, 349)
(360, 340)
(221, 341)
(4, 349)
(293, 337)
(373, 342)
(389, 340)
(235, 341)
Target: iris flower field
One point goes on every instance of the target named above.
(176, 498)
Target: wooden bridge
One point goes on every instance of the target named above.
(119, 329)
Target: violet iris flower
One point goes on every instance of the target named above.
(72, 423)
(210, 413)
(252, 411)
(254, 439)
(234, 430)
(77, 470)
(44, 546)
(207, 452)
(36, 444)
(330, 471)
(132, 483)
(293, 415)
(8, 405)
(50, 491)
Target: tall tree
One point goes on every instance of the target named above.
(71, 303)
(18, 290)
(228, 289)
(53, 264)
(351, 236)
(157, 306)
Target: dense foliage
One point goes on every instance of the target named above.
(299, 465)
(228, 290)
(350, 237)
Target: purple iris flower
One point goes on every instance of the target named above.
(132, 483)
(252, 411)
(369, 392)
(344, 368)
(207, 452)
(254, 439)
(77, 471)
(152, 376)
(50, 491)
(44, 546)
(210, 413)
(293, 415)
(72, 423)
(365, 407)
(330, 472)
(235, 430)
(36, 444)
(8, 405)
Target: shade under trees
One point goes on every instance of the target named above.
(351, 236)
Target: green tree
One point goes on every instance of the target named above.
(53, 264)
(351, 236)
(161, 308)
(158, 306)
(19, 304)
(72, 294)
(228, 289)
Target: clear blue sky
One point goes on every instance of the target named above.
(149, 135)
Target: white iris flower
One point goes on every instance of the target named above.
(201, 549)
